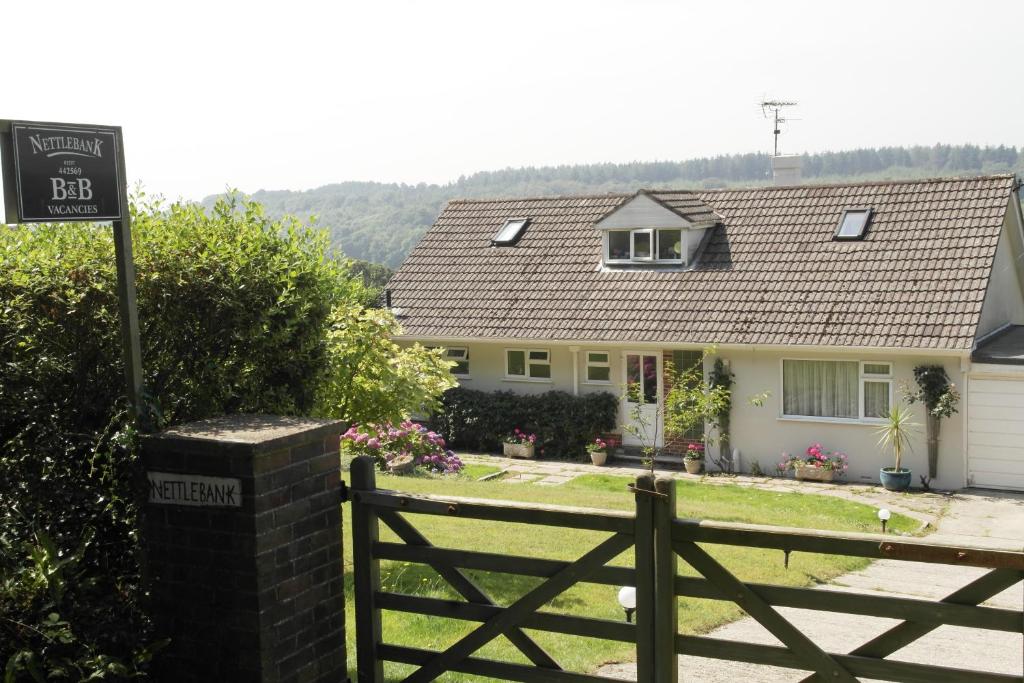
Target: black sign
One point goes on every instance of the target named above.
(65, 173)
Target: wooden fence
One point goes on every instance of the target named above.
(658, 540)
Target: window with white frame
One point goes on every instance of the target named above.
(460, 356)
(532, 364)
(599, 367)
(845, 390)
(644, 246)
(876, 390)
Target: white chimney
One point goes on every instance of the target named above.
(786, 169)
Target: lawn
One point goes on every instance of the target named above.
(719, 502)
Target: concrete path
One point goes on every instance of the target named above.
(974, 518)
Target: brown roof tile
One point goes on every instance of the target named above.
(770, 273)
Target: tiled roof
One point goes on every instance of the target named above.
(769, 274)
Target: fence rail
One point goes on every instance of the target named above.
(659, 541)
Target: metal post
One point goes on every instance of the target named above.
(645, 579)
(127, 299)
(366, 573)
(666, 610)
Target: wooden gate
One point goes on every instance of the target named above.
(658, 540)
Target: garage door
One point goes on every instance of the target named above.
(995, 433)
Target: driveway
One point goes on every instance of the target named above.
(974, 518)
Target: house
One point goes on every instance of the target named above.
(825, 296)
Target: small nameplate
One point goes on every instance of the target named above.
(189, 489)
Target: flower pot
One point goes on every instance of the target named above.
(895, 480)
(402, 464)
(598, 457)
(692, 466)
(517, 450)
(806, 473)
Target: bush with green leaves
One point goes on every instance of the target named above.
(564, 423)
(238, 314)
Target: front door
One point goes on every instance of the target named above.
(640, 403)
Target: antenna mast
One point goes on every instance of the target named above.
(775, 106)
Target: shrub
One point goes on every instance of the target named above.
(564, 423)
(233, 310)
(386, 443)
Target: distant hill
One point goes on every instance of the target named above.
(381, 222)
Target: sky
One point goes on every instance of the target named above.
(295, 95)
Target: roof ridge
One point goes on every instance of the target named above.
(547, 197)
(625, 194)
(865, 183)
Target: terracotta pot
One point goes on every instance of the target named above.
(806, 473)
(517, 450)
(692, 466)
(598, 457)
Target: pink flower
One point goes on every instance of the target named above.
(361, 438)
(373, 443)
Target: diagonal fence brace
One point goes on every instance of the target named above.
(522, 608)
(800, 645)
(467, 588)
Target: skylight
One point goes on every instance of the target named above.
(853, 224)
(510, 232)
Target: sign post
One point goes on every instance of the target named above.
(62, 172)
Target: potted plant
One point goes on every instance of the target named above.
(693, 459)
(598, 451)
(519, 444)
(895, 434)
(940, 399)
(816, 465)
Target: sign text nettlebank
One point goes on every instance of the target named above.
(66, 173)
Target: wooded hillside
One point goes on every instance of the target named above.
(381, 222)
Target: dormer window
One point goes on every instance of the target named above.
(510, 232)
(853, 224)
(647, 245)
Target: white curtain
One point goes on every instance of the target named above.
(820, 388)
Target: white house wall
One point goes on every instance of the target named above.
(760, 433)
(643, 212)
(1004, 298)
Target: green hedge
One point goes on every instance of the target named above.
(234, 311)
(563, 423)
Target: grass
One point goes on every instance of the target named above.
(720, 502)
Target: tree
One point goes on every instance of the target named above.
(695, 401)
(370, 378)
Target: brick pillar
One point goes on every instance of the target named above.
(243, 538)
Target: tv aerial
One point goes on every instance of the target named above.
(775, 106)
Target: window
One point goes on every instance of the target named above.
(461, 358)
(853, 224)
(876, 379)
(510, 231)
(599, 367)
(845, 390)
(642, 248)
(532, 364)
(618, 245)
(645, 246)
(670, 245)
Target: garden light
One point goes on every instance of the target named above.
(884, 515)
(627, 598)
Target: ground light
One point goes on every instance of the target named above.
(884, 515)
(627, 598)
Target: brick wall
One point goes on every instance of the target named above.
(250, 593)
